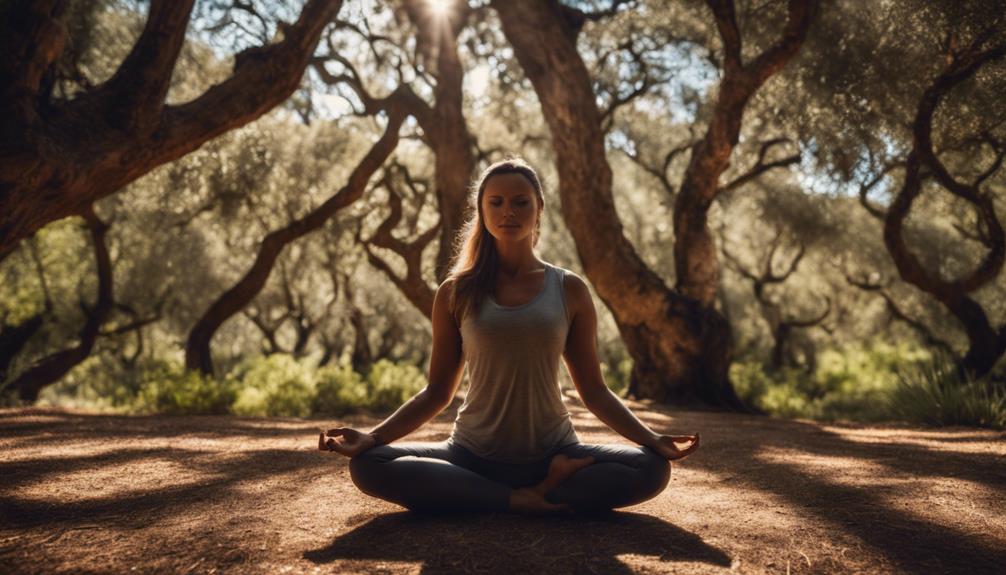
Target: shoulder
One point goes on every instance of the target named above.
(576, 291)
(443, 299)
(444, 303)
(446, 287)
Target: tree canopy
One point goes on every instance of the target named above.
(210, 182)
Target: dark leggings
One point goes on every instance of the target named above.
(447, 477)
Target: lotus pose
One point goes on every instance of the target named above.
(510, 316)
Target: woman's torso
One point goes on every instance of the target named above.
(513, 410)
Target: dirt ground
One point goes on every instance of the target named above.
(106, 494)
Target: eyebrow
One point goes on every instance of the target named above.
(492, 196)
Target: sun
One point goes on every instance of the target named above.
(439, 8)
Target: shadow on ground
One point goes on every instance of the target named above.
(877, 487)
(903, 536)
(451, 544)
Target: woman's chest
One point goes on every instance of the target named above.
(513, 292)
(532, 329)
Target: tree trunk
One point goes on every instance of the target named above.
(680, 344)
(452, 145)
(361, 358)
(446, 133)
(198, 355)
(53, 367)
(13, 339)
(59, 156)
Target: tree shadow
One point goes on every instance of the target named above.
(147, 505)
(45, 468)
(518, 544)
(20, 431)
(735, 449)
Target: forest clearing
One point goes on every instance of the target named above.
(610, 226)
(97, 493)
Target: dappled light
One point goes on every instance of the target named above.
(760, 494)
(504, 286)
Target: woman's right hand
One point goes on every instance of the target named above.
(346, 441)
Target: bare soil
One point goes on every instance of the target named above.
(83, 492)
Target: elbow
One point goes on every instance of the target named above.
(596, 399)
(438, 400)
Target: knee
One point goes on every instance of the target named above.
(657, 471)
(363, 469)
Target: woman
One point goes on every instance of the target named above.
(513, 447)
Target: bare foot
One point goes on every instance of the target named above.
(532, 499)
(559, 470)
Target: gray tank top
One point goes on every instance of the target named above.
(513, 410)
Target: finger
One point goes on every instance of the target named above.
(336, 432)
(682, 445)
(321, 442)
(687, 451)
(337, 447)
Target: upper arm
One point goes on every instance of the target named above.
(446, 359)
(581, 342)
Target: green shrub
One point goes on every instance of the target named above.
(935, 393)
(851, 383)
(166, 387)
(389, 384)
(788, 393)
(274, 385)
(339, 390)
(750, 380)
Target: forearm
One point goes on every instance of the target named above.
(613, 413)
(419, 409)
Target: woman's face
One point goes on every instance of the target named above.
(510, 207)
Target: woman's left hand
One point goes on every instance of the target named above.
(676, 446)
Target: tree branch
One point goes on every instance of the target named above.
(760, 166)
(52, 368)
(413, 285)
(34, 38)
(233, 103)
(135, 93)
(928, 337)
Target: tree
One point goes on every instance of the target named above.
(444, 131)
(986, 344)
(781, 324)
(198, 355)
(679, 341)
(61, 154)
(51, 368)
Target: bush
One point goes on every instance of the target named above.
(854, 383)
(166, 387)
(274, 385)
(935, 393)
(101, 383)
(339, 390)
(785, 394)
(389, 384)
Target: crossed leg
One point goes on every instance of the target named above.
(620, 476)
(438, 477)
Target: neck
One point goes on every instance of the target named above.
(516, 258)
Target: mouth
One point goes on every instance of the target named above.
(509, 226)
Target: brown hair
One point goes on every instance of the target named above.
(475, 260)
